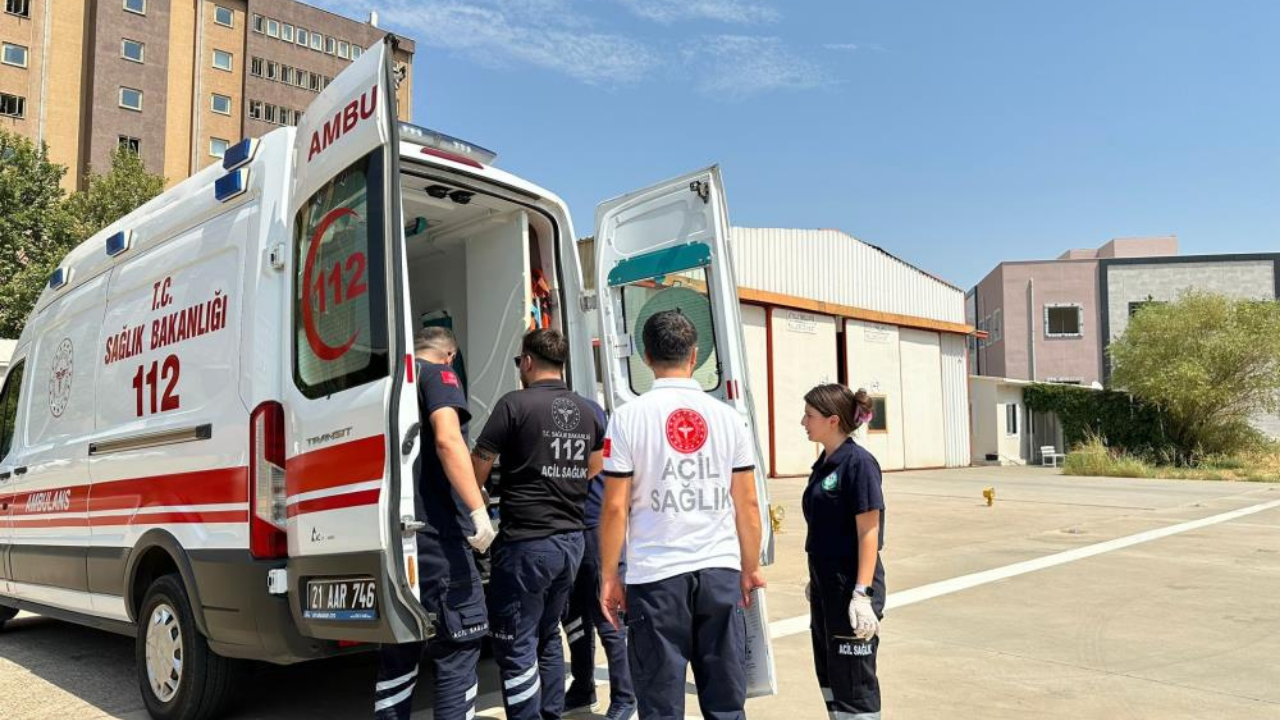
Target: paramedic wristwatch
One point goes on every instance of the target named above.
(864, 590)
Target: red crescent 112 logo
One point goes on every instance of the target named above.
(686, 431)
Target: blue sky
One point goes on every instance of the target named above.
(952, 134)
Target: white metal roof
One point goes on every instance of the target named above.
(835, 267)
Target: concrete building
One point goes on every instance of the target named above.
(822, 306)
(177, 81)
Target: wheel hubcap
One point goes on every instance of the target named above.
(164, 652)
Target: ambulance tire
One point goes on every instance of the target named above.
(203, 688)
(6, 614)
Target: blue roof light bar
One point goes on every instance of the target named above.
(58, 278)
(240, 154)
(119, 243)
(232, 185)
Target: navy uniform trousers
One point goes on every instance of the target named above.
(451, 591)
(529, 587)
(583, 616)
(846, 666)
(694, 618)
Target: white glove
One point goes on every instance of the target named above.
(863, 618)
(484, 530)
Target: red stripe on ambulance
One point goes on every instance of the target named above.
(352, 462)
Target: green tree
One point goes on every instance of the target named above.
(35, 231)
(110, 196)
(1211, 363)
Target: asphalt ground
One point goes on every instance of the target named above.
(1068, 598)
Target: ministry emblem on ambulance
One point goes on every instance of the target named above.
(686, 431)
(60, 377)
(565, 414)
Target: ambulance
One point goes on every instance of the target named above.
(209, 428)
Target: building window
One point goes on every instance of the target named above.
(258, 24)
(218, 147)
(286, 74)
(879, 414)
(330, 45)
(1011, 419)
(130, 99)
(1063, 320)
(344, 49)
(273, 70)
(15, 55)
(255, 109)
(269, 113)
(324, 82)
(355, 51)
(14, 106)
(131, 50)
(131, 144)
(285, 115)
(317, 42)
(224, 16)
(273, 28)
(255, 67)
(286, 33)
(314, 82)
(300, 78)
(21, 8)
(136, 6)
(222, 60)
(220, 104)
(303, 37)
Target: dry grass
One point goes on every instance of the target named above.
(1093, 458)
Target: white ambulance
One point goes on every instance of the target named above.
(208, 431)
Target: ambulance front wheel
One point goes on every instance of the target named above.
(179, 676)
(6, 614)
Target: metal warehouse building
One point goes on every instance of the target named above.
(822, 306)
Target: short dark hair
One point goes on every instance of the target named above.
(832, 399)
(434, 338)
(546, 346)
(669, 337)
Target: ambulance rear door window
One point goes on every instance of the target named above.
(339, 292)
(9, 408)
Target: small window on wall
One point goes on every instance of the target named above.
(14, 106)
(9, 408)
(224, 16)
(255, 66)
(220, 104)
(136, 6)
(1011, 419)
(130, 99)
(15, 55)
(218, 147)
(344, 49)
(273, 28)
(131, 50)
(330, 45)
(1063, 320)
(685, 291)
(129, 144)
(303, 37)
(355, 52)
(879, 414)
(286, 32)
(259, 24)
(255, 109)
(317, 42)
(21, 8)
(222, 60)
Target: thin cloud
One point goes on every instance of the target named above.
(741, 12)
(741, 66)
(842, 47)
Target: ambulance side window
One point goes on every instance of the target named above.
(9, 408)
(339, 292)
(684, 291)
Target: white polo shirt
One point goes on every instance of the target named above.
(680, 447)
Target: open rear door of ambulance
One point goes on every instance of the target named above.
(350, 412)
(662, 248)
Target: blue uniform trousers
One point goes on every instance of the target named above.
(584, 616)
(695, 618)
(451, 591)
(846, 666)
(529, 586)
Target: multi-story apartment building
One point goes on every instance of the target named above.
(177, 81)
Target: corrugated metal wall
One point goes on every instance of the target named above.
(834, 267)
(955, 400)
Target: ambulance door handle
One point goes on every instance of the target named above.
(5, 476)
(406, 446)
(20, 471)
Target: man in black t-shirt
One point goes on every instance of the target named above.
(549, 443)
(449, 503)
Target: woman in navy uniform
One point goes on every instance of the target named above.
(844, 508)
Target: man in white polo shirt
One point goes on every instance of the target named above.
(680, 493)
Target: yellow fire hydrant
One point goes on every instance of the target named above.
(990, 495)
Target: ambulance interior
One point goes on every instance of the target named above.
(485, 268)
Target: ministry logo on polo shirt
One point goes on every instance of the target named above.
(686, 431)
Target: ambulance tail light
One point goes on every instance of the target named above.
(267, 538)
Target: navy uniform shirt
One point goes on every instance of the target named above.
(436, 503)
(544, 436)
(840, 488)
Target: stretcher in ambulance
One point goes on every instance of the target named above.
(209, 427)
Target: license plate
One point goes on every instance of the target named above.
(342, 599)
